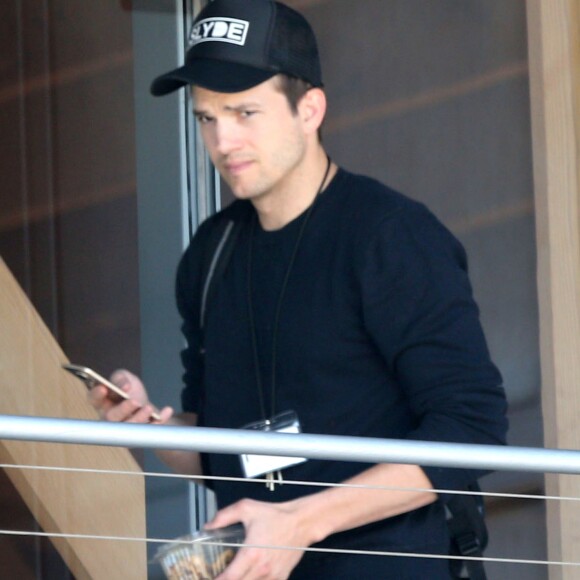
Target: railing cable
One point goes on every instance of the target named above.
(504, 495)
(309, 549)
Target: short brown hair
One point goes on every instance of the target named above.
(293, 89)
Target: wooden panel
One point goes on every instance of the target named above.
(554, 71)
(33, 383)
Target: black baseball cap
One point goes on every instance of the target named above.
(238, 44)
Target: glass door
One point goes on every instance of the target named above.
(68, 205)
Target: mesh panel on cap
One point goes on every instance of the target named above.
(293, 46)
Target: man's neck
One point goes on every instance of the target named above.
(276, 211)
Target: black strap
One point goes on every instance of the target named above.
(468, 532)
(220, 246)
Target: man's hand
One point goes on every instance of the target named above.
(136, 409)
(379, 492)
(266, 524)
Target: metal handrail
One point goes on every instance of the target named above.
(331, 447)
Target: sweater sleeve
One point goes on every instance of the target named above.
(188, 299)
(419, 310)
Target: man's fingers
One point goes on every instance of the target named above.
(97, 395)
(99, 398)
(128, 410)
(141, 415)
(126, 380)
(221, 520)
(164, 415)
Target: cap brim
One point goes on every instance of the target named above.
(219, 76)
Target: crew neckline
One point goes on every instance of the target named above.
(261, 234)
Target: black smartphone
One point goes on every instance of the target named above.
(92, 379)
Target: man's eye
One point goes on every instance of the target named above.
(247, 114)
(203, 119)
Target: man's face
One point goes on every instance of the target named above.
(253, 138)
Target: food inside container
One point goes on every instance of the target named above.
(200, 556)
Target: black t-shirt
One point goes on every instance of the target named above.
(378, 336)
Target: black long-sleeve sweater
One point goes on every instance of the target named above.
(378, 336)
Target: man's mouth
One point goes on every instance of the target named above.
(237, 167)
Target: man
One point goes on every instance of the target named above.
(344, 305)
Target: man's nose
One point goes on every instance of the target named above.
(226, 137)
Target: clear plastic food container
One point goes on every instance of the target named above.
(200, 556)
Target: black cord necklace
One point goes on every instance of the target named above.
(279, 303)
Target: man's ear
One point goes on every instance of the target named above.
(312, 109)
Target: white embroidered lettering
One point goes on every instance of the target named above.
(236, 32)
(194, 36)
(220, 30)
(229, 30)
(207, 26)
